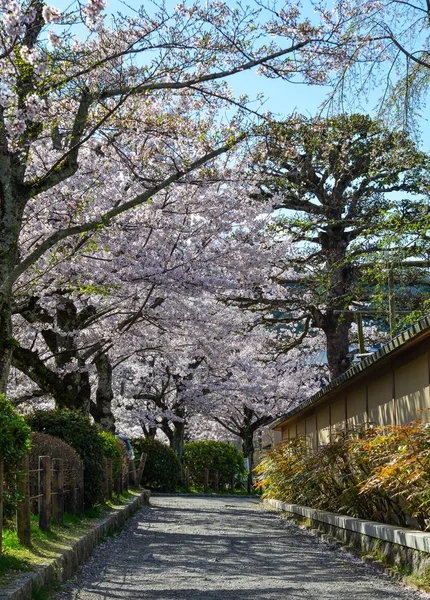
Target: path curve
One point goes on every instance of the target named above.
(188, 548)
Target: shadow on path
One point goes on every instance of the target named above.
(223, 549)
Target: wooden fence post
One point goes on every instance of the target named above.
(45, 491)
(132, 473)
(58, 489)
(109, 478)
(206, 480)
(187, 477)
(105, 480)
(117, 483)
(80, 494)
(73, 499)
(125, 481)
(216, 481)
(1, 503)
(142, 463)
(23, 510)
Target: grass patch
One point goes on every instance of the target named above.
(46, 545)
(45, 593)
(119, 499)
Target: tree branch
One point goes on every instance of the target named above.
(114, 212)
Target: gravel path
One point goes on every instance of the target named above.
(185, 548)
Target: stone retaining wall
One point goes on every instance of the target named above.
(62, 567)
(402, 552)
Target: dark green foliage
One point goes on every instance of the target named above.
(77, 431)
(335, 179)
(162, 466)
(113, 449)
(124, 457)
(215, 456)
(14, 434)
(14, 445)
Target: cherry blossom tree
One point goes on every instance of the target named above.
(248, 383)
(68, 101)
(84, 332)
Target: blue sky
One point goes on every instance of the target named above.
(282, 97)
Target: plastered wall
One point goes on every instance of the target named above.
(398, 396)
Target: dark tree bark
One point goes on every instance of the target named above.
(101, 411)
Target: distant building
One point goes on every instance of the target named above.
(389, 387)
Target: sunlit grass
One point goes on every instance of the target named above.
(46, 545)
(120, 499)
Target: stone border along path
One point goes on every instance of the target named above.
(66, 562)
(183, 548)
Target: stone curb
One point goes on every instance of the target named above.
(401, 553)
(415, 539)
(62, 567)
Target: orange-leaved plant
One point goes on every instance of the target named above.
(378, 473)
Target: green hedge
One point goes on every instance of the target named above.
(76, 430)
(112, 448)
(15, 435)
(215, 456)
(14, 445)
(162, 466)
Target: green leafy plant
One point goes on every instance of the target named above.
(15, 434)
(77, 431)
(400, 457)
(162, 467)
(14, 445)
(113, 449)
(215, 456)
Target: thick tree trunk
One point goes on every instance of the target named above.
(101, 411)
(248, 452)
(337, 334)
(6, 340)
(178, 440)
(11, 209)
(9, 228)
(335, 322)
(151, 432)
(250, 425)
(73, 391)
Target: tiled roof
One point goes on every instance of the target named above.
(418, 329)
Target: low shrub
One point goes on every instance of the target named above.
(215, 456)
(380, 473)
(162, 467)
(15, 435)
(43, 444)
(76, 430)
(124, 458)
(14, 445)
(113, 448)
